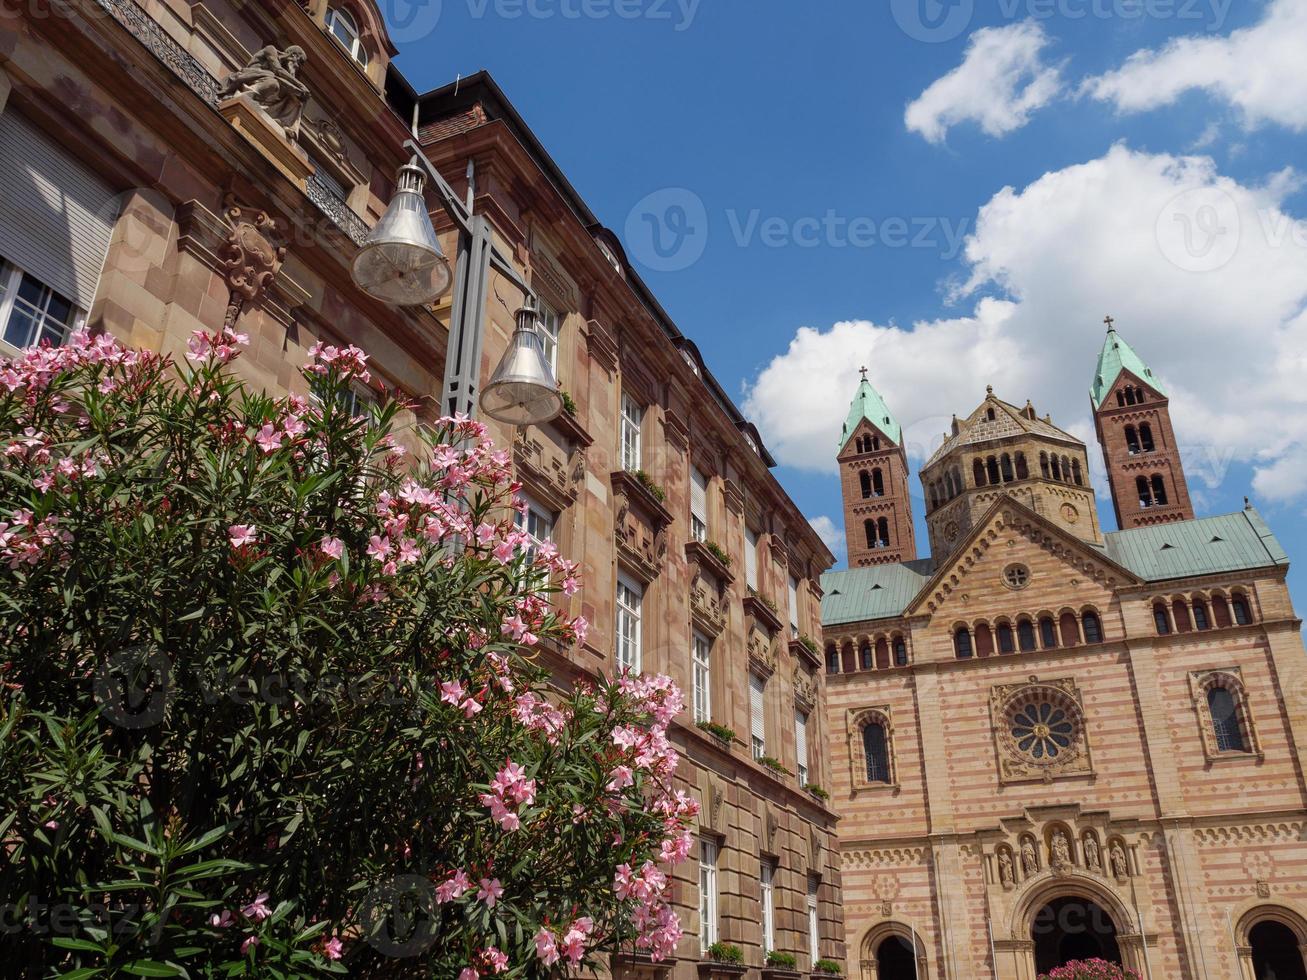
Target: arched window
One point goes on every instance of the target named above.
(900, 652)
(1093, 627)
(1132, 440)
(869, 528)
(1023, 468)
(1221, 611)
(1145, 494)
(1159, 491)
(1008, 473)
(962, 644)
(984, 641)
(882, 654)
(832, 660)
(991, 466)
(1146, 438)
(1006, 643)
(978, 473)
(1069, 629)
(1129, 396)
(345, 29)
(1180, 610)
(875, 444)
(864, 478)
(1076, 474)
(1048, 633)
(1226, 728)
(1057, 469)
(1201, 620)
(1242, 613)
(1161, 620)
(878, 482)
(1043, 465)
(1120, 399)
(991, 415)
(1066, 468)
(864, 656)
(875, 745)
(1026, 635)
(882, 527)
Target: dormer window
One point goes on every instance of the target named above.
(345, 29)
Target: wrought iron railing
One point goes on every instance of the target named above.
(197, 78)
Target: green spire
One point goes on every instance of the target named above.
(1118, 356)
(868, 404)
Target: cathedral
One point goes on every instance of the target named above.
(1049, 740)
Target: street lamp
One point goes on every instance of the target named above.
(401, 264)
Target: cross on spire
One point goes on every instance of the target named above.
(863, 371)
(1110, 321)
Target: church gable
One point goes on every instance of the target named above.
(1145, 390)
(866, 438)
(1016, 561)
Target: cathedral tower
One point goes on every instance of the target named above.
(874, 479)
(1132, 415)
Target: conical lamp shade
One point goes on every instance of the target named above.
(402, 263)
(523, 390)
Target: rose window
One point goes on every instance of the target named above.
(1043, 727)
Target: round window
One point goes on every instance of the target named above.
(1042, 727)
(1016, 576)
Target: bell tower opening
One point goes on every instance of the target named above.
(1072, 928)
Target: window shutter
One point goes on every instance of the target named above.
(750, 559)
(801, 739)
(699, 496)
(794, 603)
(56, 215)
(757, 711)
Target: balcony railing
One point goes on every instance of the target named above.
(341, 214)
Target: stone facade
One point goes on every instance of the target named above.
(874, 480)
(1093, 746)
(225, 215)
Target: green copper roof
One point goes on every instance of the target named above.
(868, 404)
(1118, 356)
(1209, 546)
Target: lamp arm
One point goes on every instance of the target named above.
(461, 215)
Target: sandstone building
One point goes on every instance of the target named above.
(147, 194)
(1050, 741)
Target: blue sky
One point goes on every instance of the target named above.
(1062, 160)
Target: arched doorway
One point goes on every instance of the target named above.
(894, 960)
(1073, 928)
(1275, 952)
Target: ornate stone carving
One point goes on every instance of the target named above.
(1007, 874)
(1263, 889)
(707, 610)
(1120, 866)
(641, 523)
(1040, 730)
(1029, 858)
(1093, 858)
(271, 80)
(1061, 850)
(805, 689)
(250, 257)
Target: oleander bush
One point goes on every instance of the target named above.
(1094, 969)
(269, 697)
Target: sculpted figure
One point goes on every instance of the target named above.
(1061, 850)
(272, 80)
(1119, 866)
(1029, 862)
(1006, 873)
(1092, 857)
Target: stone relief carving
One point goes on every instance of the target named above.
(1006, 871)
(1120, 867)
(1061, 850)
(1039, 730)
(271, 80)
(1029, 859)
(1093, 860)
(251, 257)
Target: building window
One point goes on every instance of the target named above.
(1026, 636)
(1005, 639)
(792, 599)
(698, 505)
(1242, 616)
(1225, 721)
(707, 893)
(1016, 577)
(962, 644)
(31, 311)
(1048, 633)
(632, 420)
(875, 746)
(751, 558)
(758, 715)
(900, 652)
(864, 657)
(832, 660)
(630, 598)
(1201, 620)
(814, 919)
(1161, 620)
(1146, 438)
(1159, 491)
(801, 744)
(345, 30)
(702, 679)
(548, 331)
(1093, 628)
(864, 481)
(537, 522)
(767, 882)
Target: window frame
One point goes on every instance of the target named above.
(355, 47)
(814, 918)
(631, 433)
(758, 716)
(701, 677)
(550, 340)
(629, 645)
(709, 854)
(12, 276)
(767, 897)
(802, 747)
(541, 514)
(699, 523)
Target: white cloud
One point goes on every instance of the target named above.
(1260, 70)
(1001, 81)
(831, 534)
(1121, 235)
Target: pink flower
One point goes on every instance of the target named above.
(378, 547)
(471, 708)
(408, 551)
(546, 947)
(622, 778)
(258, 909)
(497, 959)
(467, 973)
(455, 886)
(333, 948)
(242, 534)
(225, 920)
(490, 892)
(268, 438)
(451, 692)
(249, 944)
(333, 548)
